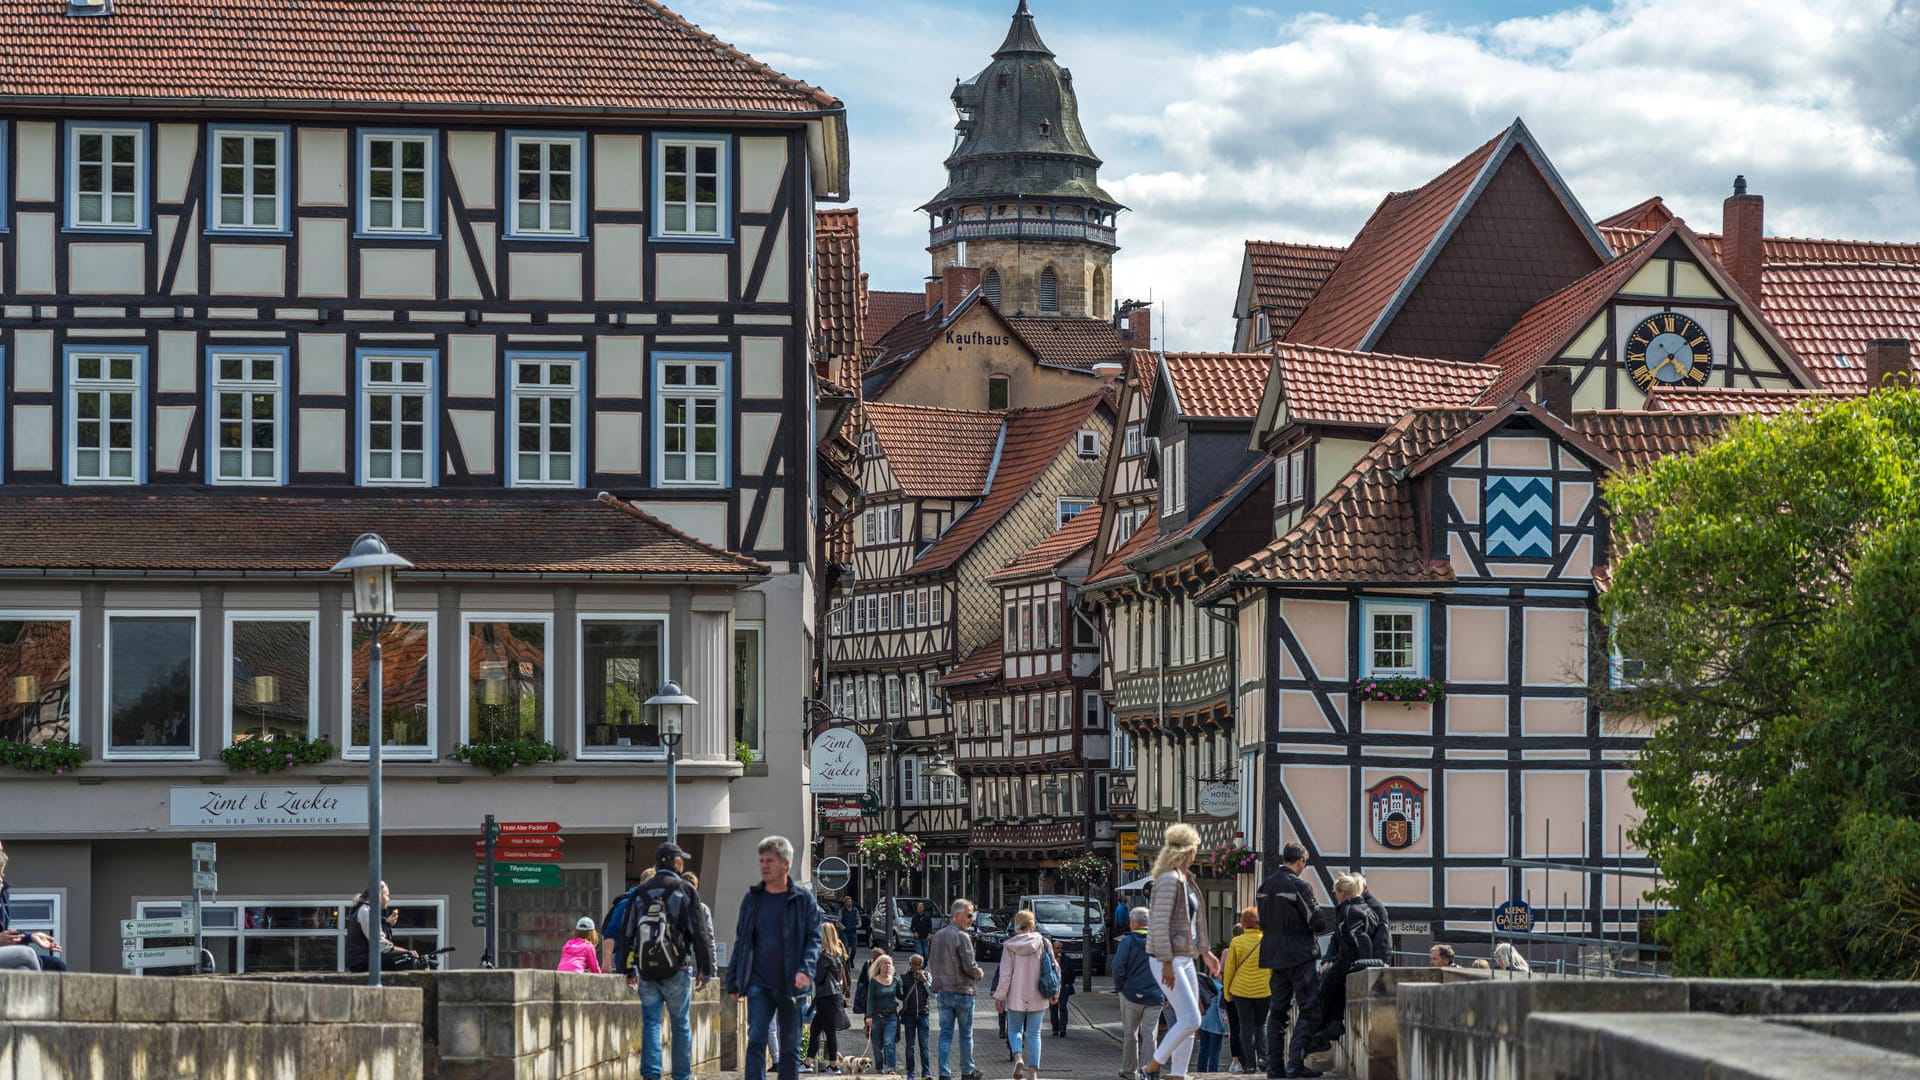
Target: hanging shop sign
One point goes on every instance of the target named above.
(839, 763)
(1220, 800)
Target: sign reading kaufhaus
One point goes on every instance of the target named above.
(267, 807)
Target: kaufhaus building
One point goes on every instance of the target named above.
(543, 327)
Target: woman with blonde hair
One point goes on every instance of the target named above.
(829, 1015)
(1177, 934)
(1024, 960)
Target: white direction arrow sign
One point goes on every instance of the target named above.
(177, 956)
(206, 881)
(203, 852)
(143, 928)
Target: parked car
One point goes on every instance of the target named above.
(990, 929)
(1061, 918)
(900, 933)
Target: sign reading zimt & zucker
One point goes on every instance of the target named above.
(839, 763)
(266, 807)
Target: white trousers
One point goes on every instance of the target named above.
(1184, 1000)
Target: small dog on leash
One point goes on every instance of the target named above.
(861, 1066)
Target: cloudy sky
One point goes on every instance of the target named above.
(1221, 121)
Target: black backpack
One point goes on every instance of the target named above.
(653, 944)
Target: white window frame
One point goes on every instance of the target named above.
(56, 927)
(1087, 443)
(1298, 489)
(721, 394)
(399, 389)
(430, 218)
(1281, 500)
(895, 702)
(77, 685)
(314, 675)
(191, 752)
(939, 605)
(723, 184)
(106, 386)
(1369, 609)
(228, 921)
(248, 387)
(140, 185)
(1249, 795)
(414, 752)
(1173, 477)
(759, 630)
(1133, 440)
(572, 228)
(1061, 516)
(635, 753)
(546, 393)
(249, 171)
(467, 621)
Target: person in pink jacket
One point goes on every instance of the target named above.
(582, 951)
(1017, 993)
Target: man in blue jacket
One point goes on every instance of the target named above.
(1141, 998)
(775, 947)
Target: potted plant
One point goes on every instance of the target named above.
(1407, 690)
(743, 753)
(1226, 860)
(1084, 873)
(892, 851)
(55, 756)
(507, 754)
(273, 753)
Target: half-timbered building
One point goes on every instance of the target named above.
(545, 326)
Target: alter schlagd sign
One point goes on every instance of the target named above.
(1397, 811)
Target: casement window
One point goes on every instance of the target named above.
(37, 684)
(1011, 641)
(1123, 526)
(1087, 443)
(1020, 718)
(690, 188)
(249, 417)
(939, 605)
(397, 414)
(508, 687)
(999, 392)
(869, 444)
(1026, 627)
(397, 189)
(1173, 478)
(247, 178)
(547, 395)
(691, 416)
(1249, 791)
(1281, 498)
(893, 697)
(106, 404)
(866, 528)
(409, 693)
(884, 621)
(909, 777)
(1053, 713)
(936, 701)
(1395, 638)
(547, 190)
(1054, 617)
(152, 660)
(1085, 634)
(622, 664)
(916, 702)
(999, 718)
(1297, 485)
(1093, 712)
(107, 177)
(913, 609)
(1068, 508)
(1122, 750)
(1134, 441)
(894, 521)
(271, 661)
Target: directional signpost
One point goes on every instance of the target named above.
(172, 956)
(133, 932)
(511, 855)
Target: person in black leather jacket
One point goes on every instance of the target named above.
(1290, 920)
(1353, 947)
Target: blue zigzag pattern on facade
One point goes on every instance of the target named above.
(1519, 521)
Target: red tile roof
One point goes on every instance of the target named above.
(885, 310)
(1384, 254)
(1285, 277)
(1070, 540)
(1637, 439)
(1645, 217)
(1115, 565)
(840, 301)
(1337, 386)
(232, 531)
(1549, 325)
(1829, 313)
(588, 54)
(935, 451)
(981, 668)
(1731, 401)
(1217, 385)
(1069, 340)
(1033, 439)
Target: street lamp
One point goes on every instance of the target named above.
(369, 566)
(672, 701)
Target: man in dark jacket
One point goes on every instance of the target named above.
(1352, 948)
(849, 922)
(1141, 998)
(1291, 919)
(1383, 930)
(673, 993)
(922, 927)
(776, 946)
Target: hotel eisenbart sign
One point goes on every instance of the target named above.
(267, 807)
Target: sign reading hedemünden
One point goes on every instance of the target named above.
(266, 807)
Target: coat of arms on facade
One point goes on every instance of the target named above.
(1396, 809)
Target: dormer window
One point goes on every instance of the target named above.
(1088, 443)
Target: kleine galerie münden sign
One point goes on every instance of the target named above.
(258, 807)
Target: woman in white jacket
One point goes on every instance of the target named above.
(1017, 993)
(1176, 934)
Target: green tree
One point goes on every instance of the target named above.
(1766, 591)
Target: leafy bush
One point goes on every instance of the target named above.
(49, 757)
(500, 757)
(261, 756)
(743, 753)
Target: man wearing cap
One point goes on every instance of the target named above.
(681, 902)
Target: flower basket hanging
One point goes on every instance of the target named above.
(1083, 872)
(892, 851)
(1405, 690)
(1227, 860)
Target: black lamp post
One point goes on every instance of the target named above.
(1052, 787)
(370, 566)
(672, 702)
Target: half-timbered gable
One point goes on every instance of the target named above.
(1127, 490)
(1276, 281)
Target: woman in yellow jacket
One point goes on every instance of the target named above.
(1246, 986)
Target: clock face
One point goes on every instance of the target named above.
(1668, 349)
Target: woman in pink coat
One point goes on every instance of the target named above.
(582, 951)
(1017, 993)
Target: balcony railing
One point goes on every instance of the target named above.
(1052, 834)
(1024, 229)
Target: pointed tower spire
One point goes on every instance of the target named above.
(1022, 36)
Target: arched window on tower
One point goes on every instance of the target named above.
(1049, 291)
(1099, 291)
(990, 284)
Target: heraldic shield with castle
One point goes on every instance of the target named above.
(1397, 810)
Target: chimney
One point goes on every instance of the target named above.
(1889, 358)
(1741, 218)
(1556, 391)
(1135, 323)
(933, 292)
(956, 283)
(1108, 373)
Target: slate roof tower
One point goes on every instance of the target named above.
(1023, 201)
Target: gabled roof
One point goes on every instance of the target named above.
(840, 302)
(1215, 386)
(885, 309)
(1284, 276)
(1645, 217)
(1069, 341)
(1337, 386)
(1115, 565)
(1202, 524)
(981, 667)
(618, 55)
(1636, 439)
(1731, 400)
(283, 533)
(1405, 234)
(1031, 441)
(1062, 547)
(1829, 312)
(936, 452)
(907, 338)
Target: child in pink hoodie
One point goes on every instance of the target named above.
(582, 951)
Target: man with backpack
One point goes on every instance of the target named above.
(662, 944)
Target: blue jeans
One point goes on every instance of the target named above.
(764, 1008)
(676, 994)
(956, 1016)
(882, 1038)
(917, 1029)
(922, 947)
(1207, 1053)
(1023, 1034)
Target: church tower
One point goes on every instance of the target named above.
(1023, 202)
